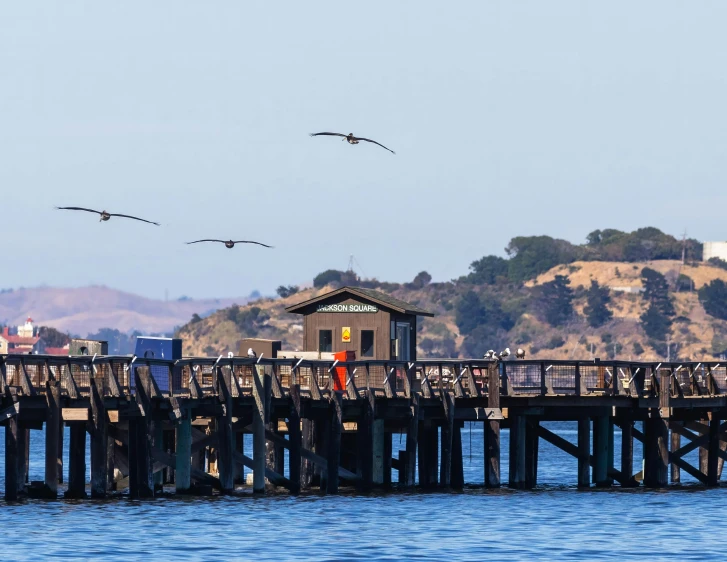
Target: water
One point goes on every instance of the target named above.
(555, 521)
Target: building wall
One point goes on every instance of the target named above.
(3, 346)
(714, 250)
(357, 321)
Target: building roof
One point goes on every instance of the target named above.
(377, 297)
(56, 350)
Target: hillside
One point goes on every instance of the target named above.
(86, 310)
(489, 309)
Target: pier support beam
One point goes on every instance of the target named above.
(365, 445)
(388, 454)
(532, 441)
(183, 454)
(52, 432)
(656, 451)
(407, 469)
(379, 453)
(492, 433)
(445, 474)
(12, 474)
(259, 415)
(675, 445)
(428, 451)
(713, 452)
(334, 442)
(77, 461)
(226, 442)
(457, 479)
(602, 450)
(295, 462)
(627, 453)
(99, 440)
(584, 453)
(516, 477)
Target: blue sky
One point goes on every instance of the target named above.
(508, 118)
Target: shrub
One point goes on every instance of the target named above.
(555, 342)
(285, 292)
(638, 348)
(556, 301)
(714, 299)
(487, 270)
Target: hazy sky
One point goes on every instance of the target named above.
(508, 118)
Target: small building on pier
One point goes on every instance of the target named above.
(370, 323)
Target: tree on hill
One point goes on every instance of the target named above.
(717, 262)
(656, 324)
(643, 244)
(335, 277)
(285, 292)
(421, 280)
(483, 338)
(487, 270)
(532, 255)
(53, 337)
(248, 320)
(714, 299)
(473, 311)
(555, 300)
(656, 291)
(596, 310)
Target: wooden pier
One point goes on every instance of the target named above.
(157, 423)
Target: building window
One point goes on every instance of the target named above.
(367, 343)
(325, 340)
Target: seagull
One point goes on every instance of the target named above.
(352, 139)
(490, 354)
(505, 353)
(231, 243)
(520, 353)
(104, 215)
(251, 353)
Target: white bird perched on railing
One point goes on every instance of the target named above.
(251, 353)
(520, 353)
(490, 354)
(505, 353)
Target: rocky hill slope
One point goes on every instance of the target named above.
(693, 333)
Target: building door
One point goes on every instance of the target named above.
(403, 340)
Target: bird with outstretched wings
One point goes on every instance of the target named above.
(352, 139)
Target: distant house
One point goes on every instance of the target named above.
(24, 340)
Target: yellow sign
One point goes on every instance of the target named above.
(346, 334)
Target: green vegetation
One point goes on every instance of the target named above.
(596, 310)
(248, 320)
(285, 292)
(555, 301)
(714, 299)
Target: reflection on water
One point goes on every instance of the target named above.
(555, 521)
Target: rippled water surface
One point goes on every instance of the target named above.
(555, 521)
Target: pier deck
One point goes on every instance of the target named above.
(157, 422)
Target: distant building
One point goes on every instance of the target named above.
(714, 250)
(25, 340)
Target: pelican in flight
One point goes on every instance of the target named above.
(352, 139)
(230, 243)
(104, 215)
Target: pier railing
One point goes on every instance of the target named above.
(199, 376)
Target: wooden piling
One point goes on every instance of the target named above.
(675, 445)
(226, 435)
(584, 453)
(12, 475)
(531, 453)
(627, 453)
(457, 477)
(412, 437)
(141, 437)
(295, 463)
(656, 451)
(259, 416)
(602, 443)
(516, 473)
(388, 454)
(334, 442)
(445, 473)
(99, 440)
(365, 446)
(183, 453)
(713, 452)
(379, 452)
(77, 461)
(492, 432)
(52, 431)
(23, 455)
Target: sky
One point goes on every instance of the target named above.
(507, 118)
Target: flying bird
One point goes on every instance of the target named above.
(104, 215)
(520, 353)
(352, 139)
(230, 243)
